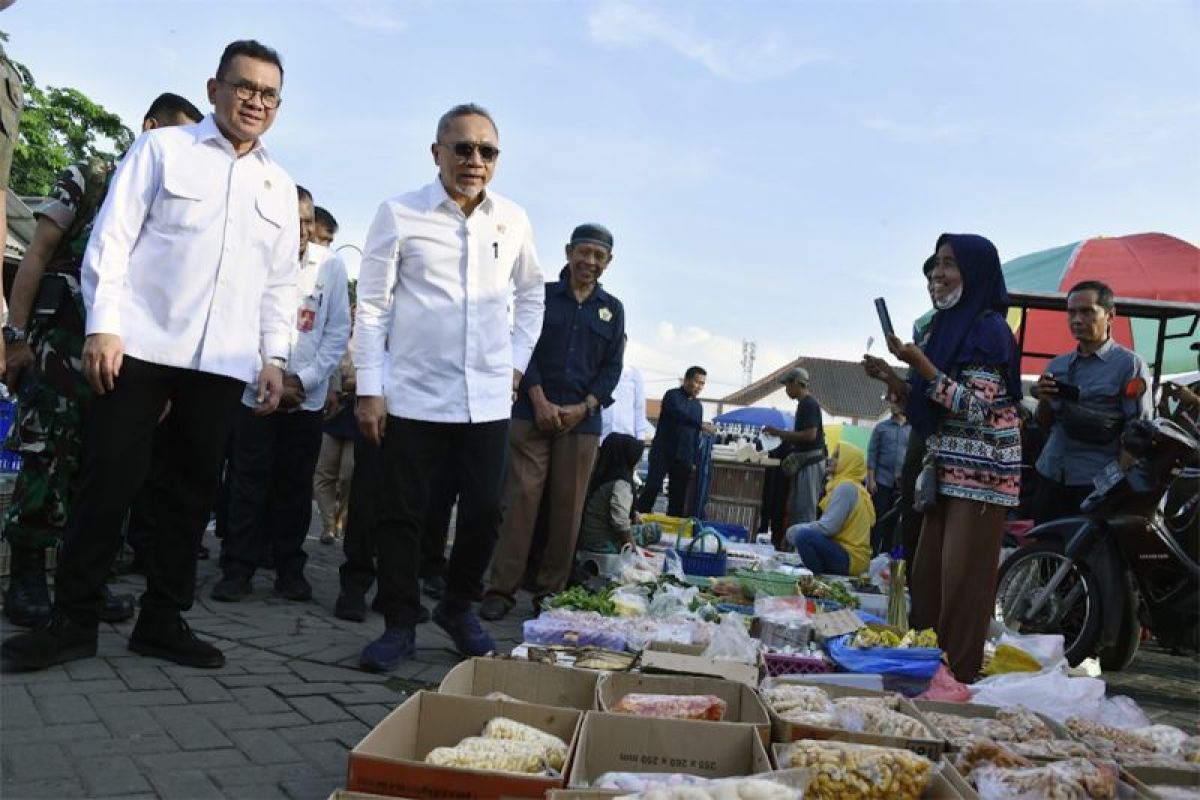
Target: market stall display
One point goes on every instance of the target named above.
(673, 706)
(843, 771)
(505, 745)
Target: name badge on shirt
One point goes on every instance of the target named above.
(306, 317)
(605, 314)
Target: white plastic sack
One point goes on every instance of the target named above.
(731, 641)
(1050, 692)
(879, 572)
(1124, 712)
(1047, 649)
(673, 566)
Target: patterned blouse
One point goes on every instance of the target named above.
(978, 447)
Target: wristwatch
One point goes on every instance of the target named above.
(592, 408)
(13, 334)
(277, 361)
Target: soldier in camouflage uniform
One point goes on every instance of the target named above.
(45, 339)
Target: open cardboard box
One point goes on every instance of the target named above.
(1144, 779)
(684, 659)
(976, 711)
(529, 681)
(390, 760)
(944, 783)
(625, 743)
(795, 778)
(742, 704)
(782, 730)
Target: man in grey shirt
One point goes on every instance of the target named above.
(1085, 431)
(885, 457)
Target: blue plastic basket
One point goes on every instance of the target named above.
(8, 410)
(10, 461)
(730, 530)
(705, 564)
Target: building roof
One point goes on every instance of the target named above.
(841, 387)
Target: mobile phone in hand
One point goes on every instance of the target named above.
(885, 319)
(1067, 391)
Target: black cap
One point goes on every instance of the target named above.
(592, 233)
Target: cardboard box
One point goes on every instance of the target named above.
(944, 784)
(742, 704)
(797, 778)
(532, 682)
(625, 743)
(978, 711)
(931, 747)
(1144, 779)
(956, 779)
(390, 760)
(683, 659)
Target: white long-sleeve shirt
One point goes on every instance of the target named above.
(322, 326)
(627, 414)
(192, 260)
(432, 333)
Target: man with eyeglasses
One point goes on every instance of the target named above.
(189, 281)
(438, 367)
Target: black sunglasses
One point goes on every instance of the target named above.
(464, 151)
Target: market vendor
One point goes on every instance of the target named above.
(609, 521)
(805, 464)
(839, 543)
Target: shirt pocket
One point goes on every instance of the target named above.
(602, 333)
(181, 203)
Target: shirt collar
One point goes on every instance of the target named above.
(206, 130)
(1101, 353)
(436, 196)
(563, 286)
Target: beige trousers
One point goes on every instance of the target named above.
(331, 480)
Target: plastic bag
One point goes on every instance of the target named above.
(1052, 693)
(1010, 658)
(631, 601)
(672, 601)
(642, 781)
(1046, 648)
(672, 706)
(770, 786)
(908, 662)
(784, 610)
(1074, 777)
(550, 631)
(879, 572)
(946, 688)
(732, 642)
(635, 567)
(1122, 712)
(673, 566)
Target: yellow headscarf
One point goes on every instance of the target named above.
(855, 535)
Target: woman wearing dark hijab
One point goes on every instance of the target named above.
(608, 519)
(963, 391)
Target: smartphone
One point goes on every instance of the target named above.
(885, 319)
(1067, 391)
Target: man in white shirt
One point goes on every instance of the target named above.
(627, 414)
(438, 366)
(274, 456)
(189, 285)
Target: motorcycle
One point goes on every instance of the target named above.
(1129, 560)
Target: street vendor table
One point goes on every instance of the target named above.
(735, 492)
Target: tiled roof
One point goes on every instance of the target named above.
(841, 387)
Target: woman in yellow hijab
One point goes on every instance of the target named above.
(839, 543)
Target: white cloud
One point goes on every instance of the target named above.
(372, 15)
(622, 24)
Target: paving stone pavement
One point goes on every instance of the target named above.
(279, 719)
(276, 722)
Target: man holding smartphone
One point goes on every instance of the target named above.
(1085, 399)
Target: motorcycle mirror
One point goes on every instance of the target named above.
(1135, 388)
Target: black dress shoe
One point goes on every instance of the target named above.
(293, 587)
(434, 586)
(58, 642)
(231, 589)
(351, 606)
(166, 635)
(117, 607)
(27, 600)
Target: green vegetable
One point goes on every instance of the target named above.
(834, 591)
(581, 599)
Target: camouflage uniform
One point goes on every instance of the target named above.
(53, 392)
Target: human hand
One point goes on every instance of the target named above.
(1047, 386)
(332, 404)
(293, 392)
(570, 416)
(101, 361)
(872, 485)
(547, 416)
(371, 413)
(876, 367)
(270, 390)
(708, 427)
(771, 430)
(907, 352)
(516, 383)
(17, 357)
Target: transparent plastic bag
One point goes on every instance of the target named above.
(631, 601)
(731, 641)
(673, 566)
(635, 567)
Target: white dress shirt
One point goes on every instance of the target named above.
(627, 414)
(322, 326)
(432, 332)
(192, 260)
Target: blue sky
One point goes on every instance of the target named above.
(767, 168)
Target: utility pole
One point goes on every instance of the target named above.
(748, 348)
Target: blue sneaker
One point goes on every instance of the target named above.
(385, 653)
(464, 629)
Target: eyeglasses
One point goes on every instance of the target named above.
(464, 150)
(246, 91)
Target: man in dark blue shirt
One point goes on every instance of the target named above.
(556, 421)
(673, 451)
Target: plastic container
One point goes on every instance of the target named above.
(855, 680)
(10, 461)
(774, 584)
(787, 664)
(730, 530)
(678, 526)
(696, 562)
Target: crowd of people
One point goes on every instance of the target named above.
(183, 342)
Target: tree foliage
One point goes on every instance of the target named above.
(59, 127)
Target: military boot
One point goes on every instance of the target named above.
(27, 601)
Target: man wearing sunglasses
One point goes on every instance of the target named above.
(438, 366)
(189, 282)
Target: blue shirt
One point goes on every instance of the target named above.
(1101, 378)
(678, 432)
(885, 453)
(579, 352)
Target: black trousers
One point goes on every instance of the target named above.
(680, 473)
(144, 515)
(119, 434)
(442, 496)
(270, 491)
(911, 519)
(1053, 500)
(417, 454)
(882, 534)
